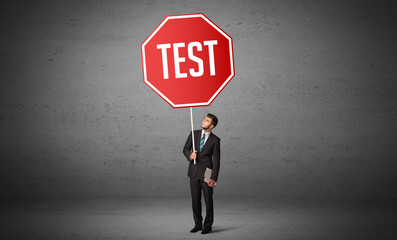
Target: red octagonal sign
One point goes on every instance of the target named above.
(187, 60)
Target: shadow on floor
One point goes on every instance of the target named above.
(222, 229)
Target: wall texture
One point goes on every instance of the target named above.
(311, 112)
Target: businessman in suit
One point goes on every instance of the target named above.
(207, 155)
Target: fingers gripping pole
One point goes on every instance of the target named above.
(191, 120)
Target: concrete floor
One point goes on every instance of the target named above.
(172, 219)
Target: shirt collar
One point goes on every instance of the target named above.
(206, 133)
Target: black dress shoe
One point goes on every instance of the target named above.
(206, 230)
(196, 229)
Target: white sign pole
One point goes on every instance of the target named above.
(191, 119)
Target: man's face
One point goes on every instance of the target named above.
(207, 124)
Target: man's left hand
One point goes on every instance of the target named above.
(211, 183)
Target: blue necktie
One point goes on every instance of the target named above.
(202, 142)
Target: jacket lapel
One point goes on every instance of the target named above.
(197, 138)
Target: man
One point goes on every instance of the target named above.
(207, 155)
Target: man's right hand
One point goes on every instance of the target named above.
(193, 155)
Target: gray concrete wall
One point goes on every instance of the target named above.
(311, 112)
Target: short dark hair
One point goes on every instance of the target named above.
(214, 119)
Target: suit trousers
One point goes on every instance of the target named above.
(196, 186)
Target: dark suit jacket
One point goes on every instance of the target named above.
(209, 156)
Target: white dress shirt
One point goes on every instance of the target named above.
(207, 134)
